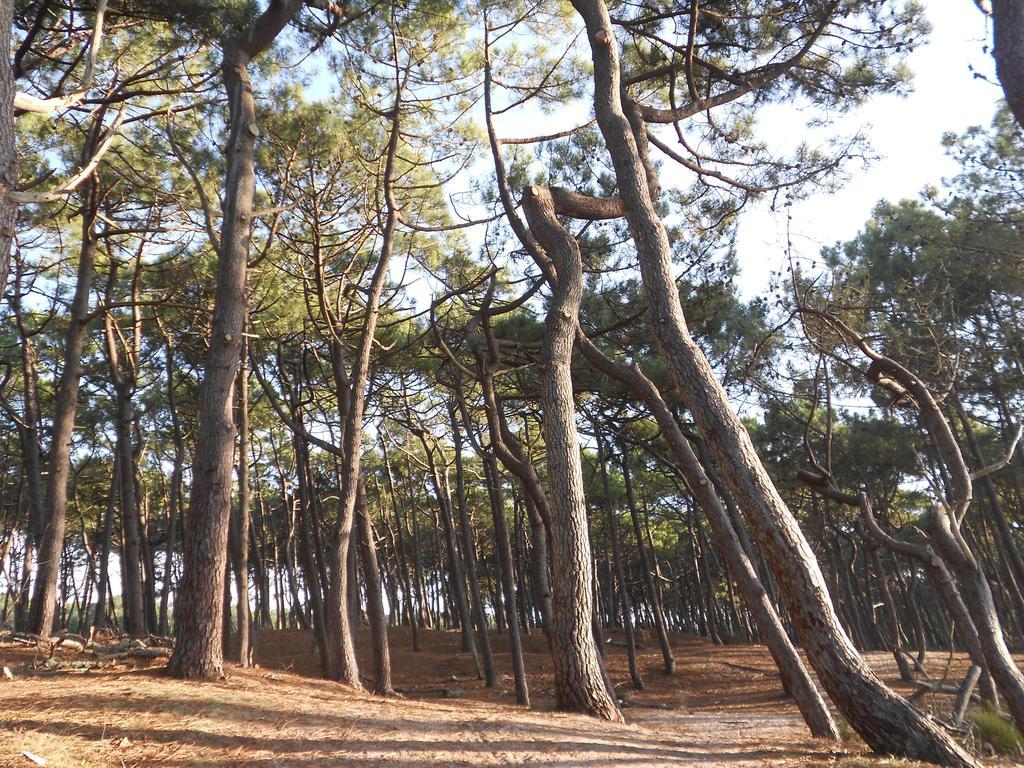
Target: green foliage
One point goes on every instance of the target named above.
(991, 726)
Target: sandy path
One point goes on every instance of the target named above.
(723, 707)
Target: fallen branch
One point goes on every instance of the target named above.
(744, 668)
(926, 687)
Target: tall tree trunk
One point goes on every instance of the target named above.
(579, 677)
(374, 602)
(44, 597)
(174, 504)
(344, 665)
(653, 595)
(121, 379)
(28, 432)
(198, 613)
(503, 548)
(239, 530)
(885, 721)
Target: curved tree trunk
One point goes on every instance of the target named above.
(579, 678)
(886, 721)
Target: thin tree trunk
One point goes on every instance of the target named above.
(44, 598)
(504, 551)
(620, 572)
(469, 555)
(374, 602)
(653, 595)
(103, 578)
(242, 649)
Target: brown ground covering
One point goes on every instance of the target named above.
(723, 707)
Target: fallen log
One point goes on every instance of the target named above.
(69, 642)
(744, 668)
(134, 653)
(928, 687)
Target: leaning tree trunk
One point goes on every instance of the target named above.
(886, 721)
(795, 678)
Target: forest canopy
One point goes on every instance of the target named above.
(429, 314)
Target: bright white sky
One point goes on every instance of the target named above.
(905, 132)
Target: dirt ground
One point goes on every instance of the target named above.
(723, 707)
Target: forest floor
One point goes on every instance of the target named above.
(723, 707)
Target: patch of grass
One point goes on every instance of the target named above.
(992, 727)
(846, 733)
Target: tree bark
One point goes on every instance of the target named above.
(44, 598)
(198, 613)
(8, 148)
(579, 678)
(375, 604)
(1008, 51)
(886, 722)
